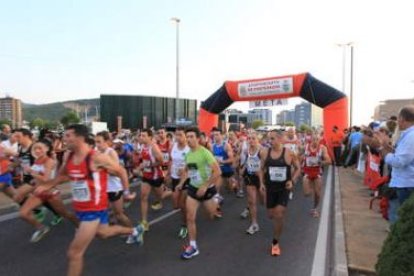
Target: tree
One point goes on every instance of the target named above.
(52, 125)
(257, 123)
(304, 127)
(70, 118)
(5, 122)
(37, 123)
(396, 257)
(289, 124)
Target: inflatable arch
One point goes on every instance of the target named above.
(333, 102)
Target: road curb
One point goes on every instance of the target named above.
(340, 260)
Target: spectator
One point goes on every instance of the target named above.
(354, 143)
(336, 141)
(402, 159)
(5, 132)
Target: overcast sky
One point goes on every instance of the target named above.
(62, 50)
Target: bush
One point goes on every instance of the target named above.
(397, 255)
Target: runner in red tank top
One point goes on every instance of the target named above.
(315, 156)
(87, 171)
(152, 175)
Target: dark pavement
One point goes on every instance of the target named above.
(225, 249)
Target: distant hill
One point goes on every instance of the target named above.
(55, 111)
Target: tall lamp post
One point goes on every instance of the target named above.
(177, 64)
(351, 77)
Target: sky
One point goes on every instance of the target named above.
(63, 50)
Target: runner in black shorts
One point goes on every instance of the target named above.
(175, 170)
(203, 172)
(252, 176)
(277, 163)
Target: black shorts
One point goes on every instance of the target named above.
(156, 183)
(192, 192)
(251, 180)
(175, 183)
(115, 196)
(227, 174)
(28, 179)
(276, 197)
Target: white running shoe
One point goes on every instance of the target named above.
(39, 234)
(252, 229)
(245, 213)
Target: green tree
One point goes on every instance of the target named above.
(257, 123)
(289, 124)
(39, 123)
(5, 122)
(53, 125)
(70, 118)
(304, 127)
(396, 257)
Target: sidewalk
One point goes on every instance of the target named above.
(365, 229)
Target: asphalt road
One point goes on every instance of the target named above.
(225, 248)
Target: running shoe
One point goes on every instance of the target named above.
(39, 234)
(245, 213)
(240, 193)
(145, 225)
(189, 252)
(56, 220)
(218, 214)
(252, 229)
(183, 232)
(275, 250)
(40, 215)
(156, 206)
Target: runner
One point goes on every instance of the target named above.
(278, 178)
(8, 149)
(292, 142)
(204, 172)
(87, 170)
(41, 171)
(315, 156)
(252, 179)
(24, 159)
(152, 175)
(165, 147)
(236, 147)
(177, 165)
(223, 153)
(117, 190)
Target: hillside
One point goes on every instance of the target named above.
(55, 111)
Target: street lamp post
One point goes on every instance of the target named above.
(177, 64)
(351, 81)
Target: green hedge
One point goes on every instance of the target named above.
(397, 256)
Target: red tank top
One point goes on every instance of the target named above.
(88, 187)
(150, 172)
(313, 159)
(165, 150)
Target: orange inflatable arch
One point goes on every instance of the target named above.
(333, 102)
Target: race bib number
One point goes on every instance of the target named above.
(195, 177)
(312, 161)
(374, 166)
(165, 157)
(219, 158)
(253, 165)
(278, 174)
(80, 191)
(147, 166)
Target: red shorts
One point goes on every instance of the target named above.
(312, 173)
(46, 195)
